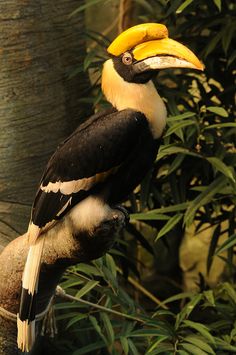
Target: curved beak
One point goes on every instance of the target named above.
(164, 53)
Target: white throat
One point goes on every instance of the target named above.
(139, 97)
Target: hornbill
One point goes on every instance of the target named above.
(108, 155)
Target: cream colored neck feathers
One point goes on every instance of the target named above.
(139, 97)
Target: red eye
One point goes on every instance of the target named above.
(127, 59)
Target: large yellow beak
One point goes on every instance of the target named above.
(170, 53)
(152, 49)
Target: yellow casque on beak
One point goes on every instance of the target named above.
(166, 47)
(136, 35)
(149, 40)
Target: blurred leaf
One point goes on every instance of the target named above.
(218, 4)
(172, 222)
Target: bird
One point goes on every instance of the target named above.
(108, 155)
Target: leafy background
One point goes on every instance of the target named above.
(168, 285)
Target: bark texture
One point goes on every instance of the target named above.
(61, 250)
(39, 46)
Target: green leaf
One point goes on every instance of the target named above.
(224, 345)
(220, 125)
(133, 349)
(172, 222)
(108, 327)
(222, 167)
(180, 117)
(183, 6)
(88, 287)
(178, 126)
(187, 310)
(88, 349)
(229, 243)
(149, 216)
(200, 343)
(218, 110)
(212, 247)
(125, 345)
(179, 296)
(149, 332)
(88, 269)
(209, 295)
(174, 208)
(203, 198)
(111, 264)
(76, 319)
(174, 149)
(163, 348)
(155, 344)
(202, 329)
(85, 6)
(218, 4)
(193, 349)
(98, 329)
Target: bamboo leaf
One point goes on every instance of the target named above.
(230, 242)
(222, 167)
(172, 222)
(202, 329)
(76, 319)
(98, 329)
(188, 308)
(180, 117)
(178, 126)
(220, 125)
(218, 4)
(108, 327)
(193, 349)
(203, 198)
(125, 345)
(183, 6)
(200, 343)
(212, 247)
(89, 349)
(149, 216)
(218, 110)
(88, 287)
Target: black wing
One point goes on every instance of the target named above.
(90, 155)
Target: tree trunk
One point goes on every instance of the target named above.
(39, 106)
(39, 45)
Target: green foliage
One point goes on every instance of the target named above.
(192, 183)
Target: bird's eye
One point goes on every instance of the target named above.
(127, 59)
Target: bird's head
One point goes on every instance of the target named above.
(140, 51)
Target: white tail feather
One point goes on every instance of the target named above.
(26, 328)
(32, 266)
